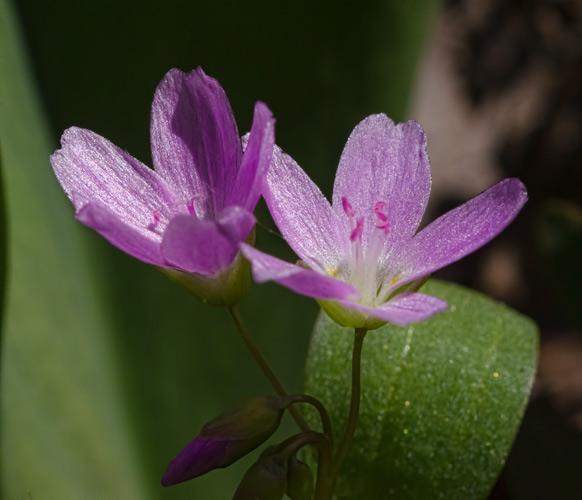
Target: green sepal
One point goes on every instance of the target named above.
(224, 290)
(266, 479)
(349, 318)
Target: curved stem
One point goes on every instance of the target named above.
(348, 436)
(325, 420)
(264, 365)
(323, 484)
(294, 443)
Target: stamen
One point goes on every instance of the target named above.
(357, 232)
(348, 209)
(365, 262)
(190, 206)
(358, 275)
(384, 225)
(157, 218)
(378, 207)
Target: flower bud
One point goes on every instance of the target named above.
(227, 438)
(300, 482)
(266, 479)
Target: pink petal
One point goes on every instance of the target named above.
(235, 223)
(123, 236)
(199, 457)
(195, 141)
(387, 163)
(256, 160)
(304, 216)
(460, 231)
(296, 278)
(93, 170)
(403, 309)
(205, 247)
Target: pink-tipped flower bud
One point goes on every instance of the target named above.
(227, 438)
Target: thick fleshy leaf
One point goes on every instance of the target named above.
(304, 216)
(195, 141)
(403, 309)
(91, 169)
(256, 160)
(65, 422)
(202, 246)
(387, 163)
(297, 278)
(441, 400)
(120, 234)
(460, 231)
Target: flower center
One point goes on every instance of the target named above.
(364, 268)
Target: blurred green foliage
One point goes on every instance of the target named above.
(65, 431)
(558, 243)
(108, 368)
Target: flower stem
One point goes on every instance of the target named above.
(324, 416)
(264, 366)
(348, 436)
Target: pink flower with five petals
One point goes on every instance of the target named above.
(361, 256)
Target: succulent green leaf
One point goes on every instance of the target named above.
(441, 400)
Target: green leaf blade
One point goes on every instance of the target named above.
(65, 430)
(441, 400)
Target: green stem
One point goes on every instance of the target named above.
(325, 420)
(323, 485)
(294, 443)
(348, 436)
(264, 365)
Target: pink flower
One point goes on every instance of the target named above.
(193, 210)
(358, 253)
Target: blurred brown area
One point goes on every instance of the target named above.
(499, 94)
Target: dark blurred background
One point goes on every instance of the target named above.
(497, 86)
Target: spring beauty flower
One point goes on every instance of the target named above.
(189, 215)
(362, 257)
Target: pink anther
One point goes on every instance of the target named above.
(348, 209)
(157, 217)
(190, 206)
(378, 207)
(384, 226)
(357, 232)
